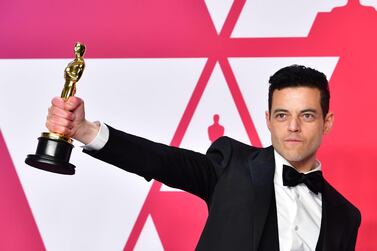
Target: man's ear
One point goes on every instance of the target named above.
(268, 122)
(329, 121)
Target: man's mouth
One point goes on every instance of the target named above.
(293, 140)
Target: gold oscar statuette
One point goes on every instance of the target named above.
(54, 150)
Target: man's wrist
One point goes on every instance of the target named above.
(88, 132)
(101, 138)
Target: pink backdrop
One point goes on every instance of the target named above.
(185, 29)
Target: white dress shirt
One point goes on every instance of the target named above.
(100, 140)
(299, 211)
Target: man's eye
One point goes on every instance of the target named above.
(308, 116)
(281, 116)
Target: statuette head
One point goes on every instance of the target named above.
(79, 49)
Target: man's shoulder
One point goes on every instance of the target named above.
(230, 147)
(228, 142)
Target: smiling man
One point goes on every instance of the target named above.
(266, 199)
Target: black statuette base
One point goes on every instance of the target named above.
(52, 155)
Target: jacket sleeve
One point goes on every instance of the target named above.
(190, 171)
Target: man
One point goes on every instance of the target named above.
(258, 198)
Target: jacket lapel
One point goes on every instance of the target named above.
(332, 221)
(262, 169)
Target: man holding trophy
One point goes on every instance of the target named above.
(263, 199)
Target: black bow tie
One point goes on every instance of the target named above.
(313, 180)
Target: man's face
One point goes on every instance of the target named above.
(296, 124)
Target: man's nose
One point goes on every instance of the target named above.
(294, 125)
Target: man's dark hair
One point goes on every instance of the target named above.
(300, 76)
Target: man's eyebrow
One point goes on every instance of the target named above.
(309, 110)
(279, 110)
(302, 111)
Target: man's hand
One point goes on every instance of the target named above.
(68, 118)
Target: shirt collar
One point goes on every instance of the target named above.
(280, 161)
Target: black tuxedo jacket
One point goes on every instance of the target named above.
(236, 182)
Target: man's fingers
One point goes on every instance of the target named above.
(72, 103)
(60, 121)
(58, 112)
(58, 102)
(56, 128)
(65, 116)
